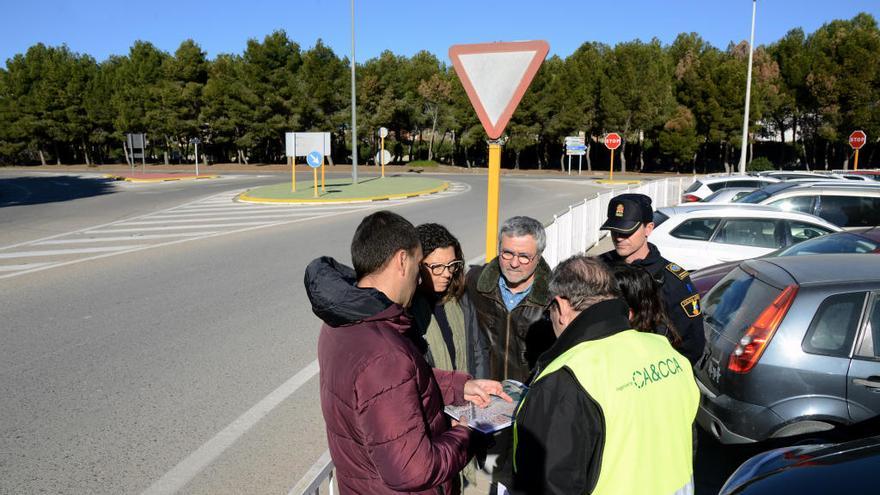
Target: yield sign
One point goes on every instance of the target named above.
(495, 77)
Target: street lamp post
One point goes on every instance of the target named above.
(745, 138)
(354, 146)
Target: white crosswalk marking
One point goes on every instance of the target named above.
(208, 217)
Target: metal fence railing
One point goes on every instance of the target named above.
(577, 230)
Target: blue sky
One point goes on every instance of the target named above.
(103, 28)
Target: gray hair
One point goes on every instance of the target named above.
(583, 281)
(523, 226)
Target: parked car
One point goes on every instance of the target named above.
(849, 467)
(705, 186)
(865, 241)
(870, 174)
(727, 195)
(784, 175)
(792, 347)
(844, 203)
(699, 235)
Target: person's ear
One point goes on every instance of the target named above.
(649, 227)
(564, 311)
(400, 262)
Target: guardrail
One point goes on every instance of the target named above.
(577, 230)
(321, 473)
(571, 232)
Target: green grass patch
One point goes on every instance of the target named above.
(423, 163)
(343, 189)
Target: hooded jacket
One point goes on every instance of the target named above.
(382, 403)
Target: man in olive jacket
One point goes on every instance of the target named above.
(509, 295)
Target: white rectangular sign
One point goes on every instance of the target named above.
(303, 143)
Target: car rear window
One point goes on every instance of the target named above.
(834, 326)
(697, 229)
(716, 186)
(754, 197)
(660, 217)
(803, 204)
(735, 302)
(832, 244)
(754, 232)
(693, 187)
(850, 211)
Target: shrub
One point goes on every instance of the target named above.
(760, 164)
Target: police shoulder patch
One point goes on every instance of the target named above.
(691, 306)
(678, 271)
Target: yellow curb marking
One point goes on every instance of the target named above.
(244, 197)
(165, 179)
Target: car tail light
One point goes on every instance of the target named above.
(752, 344)
(689, 198)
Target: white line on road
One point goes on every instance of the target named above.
(122, 238)
(96, 226)
(175, 227)
(65, 252)
(171, 243)
(213, 219)
(26, 266)
(187, 469)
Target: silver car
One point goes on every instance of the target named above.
(792, 347)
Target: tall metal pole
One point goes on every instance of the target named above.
(745, 140)
(354, 146)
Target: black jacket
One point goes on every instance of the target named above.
(560, 429)
(516, 338)
(681, 299)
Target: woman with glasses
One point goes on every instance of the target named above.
(444, 322)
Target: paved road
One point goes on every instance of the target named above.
(186, 366)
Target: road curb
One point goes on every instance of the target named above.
(158, 179)
(244, 198)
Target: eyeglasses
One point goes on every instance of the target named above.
(438, 268)
(524, 259)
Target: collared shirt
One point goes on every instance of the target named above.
(512, 299)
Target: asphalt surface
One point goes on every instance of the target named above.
(182, 367)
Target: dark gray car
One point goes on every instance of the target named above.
(792, 347)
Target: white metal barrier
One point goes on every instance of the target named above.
(571, 232)
(577, 230)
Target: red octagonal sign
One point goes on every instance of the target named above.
(857, 139)
(612, 140)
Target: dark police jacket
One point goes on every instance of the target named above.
(518, 337)
(681, 299)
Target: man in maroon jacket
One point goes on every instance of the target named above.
(382, 402)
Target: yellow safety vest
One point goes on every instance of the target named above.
(649, 399)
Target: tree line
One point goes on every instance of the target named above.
(677, 106)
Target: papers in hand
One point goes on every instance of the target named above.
(497, 415)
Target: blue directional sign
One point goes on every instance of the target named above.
(315, 159)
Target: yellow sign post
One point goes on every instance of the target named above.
(611, 169)
(492, 200)
(315, 174)
(292, 161)
(323, 189)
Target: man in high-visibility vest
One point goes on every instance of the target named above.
(610, 409)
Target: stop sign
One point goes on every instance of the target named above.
(857, 139)
(612, 140)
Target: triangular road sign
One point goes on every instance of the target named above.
(495, 77)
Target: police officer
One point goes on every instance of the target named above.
(631, 221)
